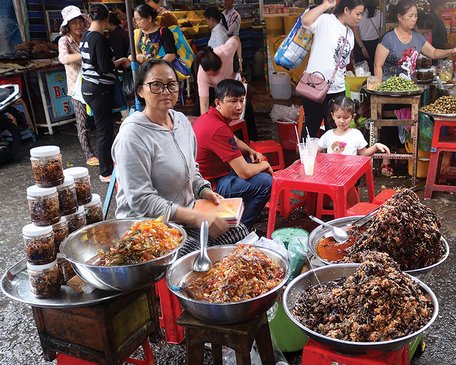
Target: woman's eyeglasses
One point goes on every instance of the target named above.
(157, 87)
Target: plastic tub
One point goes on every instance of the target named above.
(423, 162)
(287, 135)
(280, 85)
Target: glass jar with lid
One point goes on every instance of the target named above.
(68, 201)
(61, 232)
(76, 220)
(94, 210)
(43, 205)
(39, 244)
(45, 280)
(47, 168)
(82, 182)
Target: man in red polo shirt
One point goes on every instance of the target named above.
(233, 168)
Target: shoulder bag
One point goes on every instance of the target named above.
(313, 85)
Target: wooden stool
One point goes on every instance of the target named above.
(377, 103)
(238, 336)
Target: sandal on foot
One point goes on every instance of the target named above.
(93, 161)
(387, 170)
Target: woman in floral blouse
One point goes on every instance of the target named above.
(73, 27)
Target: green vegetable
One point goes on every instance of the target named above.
(397, 83)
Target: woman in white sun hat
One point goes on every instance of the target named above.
(73, 27)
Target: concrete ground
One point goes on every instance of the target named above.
(19, 342)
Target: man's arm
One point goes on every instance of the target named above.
(247, 170)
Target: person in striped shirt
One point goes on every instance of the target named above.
(98, 81)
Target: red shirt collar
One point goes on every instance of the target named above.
(215, 113)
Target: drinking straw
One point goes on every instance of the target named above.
(308, 134)
(297, 134)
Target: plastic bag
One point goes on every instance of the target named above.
(284, 113)
(425, 132)
(295, 47)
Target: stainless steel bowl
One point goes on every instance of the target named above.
(222, 312)
(321, 231)
(334, 272)
(83, 244)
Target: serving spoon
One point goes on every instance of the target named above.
(202, 262)
(338, 233)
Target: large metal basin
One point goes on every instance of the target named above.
(333, 272)
(321, 231)
(222, 312)
(83, 244)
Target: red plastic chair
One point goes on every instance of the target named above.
(362, 208)
(383, 196)
(270, 147)
(170, 310)
(63, 359)
(240, 125)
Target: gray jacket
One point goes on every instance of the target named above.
(155, 166)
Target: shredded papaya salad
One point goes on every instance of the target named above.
(144, 241)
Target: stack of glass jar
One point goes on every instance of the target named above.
(58, 204)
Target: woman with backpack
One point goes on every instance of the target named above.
(150, 36)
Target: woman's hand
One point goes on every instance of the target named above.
(212, 196)
(217, 226)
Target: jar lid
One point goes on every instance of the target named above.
(95, 200)
(76, 172)
(36, 191)
(44, 151)
(62, 220)
(69, 180)
(41, 267)
(79, 211)
(32, 230)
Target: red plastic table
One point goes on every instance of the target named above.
(334, 175)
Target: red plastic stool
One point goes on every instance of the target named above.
(170, 310)
(270, 146)
(383, 196)
(362, 208)
(63, 359)
(316, 354)
(241, 125)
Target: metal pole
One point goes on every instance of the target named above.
(134, 62)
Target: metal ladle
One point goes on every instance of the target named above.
(202, 262)
(338, 233)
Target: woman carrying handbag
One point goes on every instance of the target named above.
(333, 42)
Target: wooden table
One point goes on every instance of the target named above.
(334, 175)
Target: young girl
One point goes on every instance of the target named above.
(346, 140)
(343, 139)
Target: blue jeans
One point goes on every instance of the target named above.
(255, 193)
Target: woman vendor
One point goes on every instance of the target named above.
(154, 154)
(397, 54)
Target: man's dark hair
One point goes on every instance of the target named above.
(114, 19)
(98, 12)
(230, 88)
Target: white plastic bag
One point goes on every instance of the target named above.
(284, 113)
(77, 93)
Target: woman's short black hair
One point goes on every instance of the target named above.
(208, 59)
(403, 6)
(229, 87)
(350, 4)
(98, 12)
(146, 11)
(114, 19)
(213, 12)
(144, 70)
